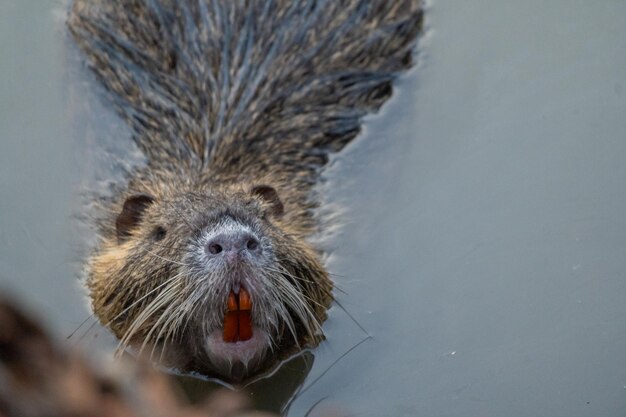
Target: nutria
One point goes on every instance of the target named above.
(205, 259)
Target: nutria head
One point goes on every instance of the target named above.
(209, 279)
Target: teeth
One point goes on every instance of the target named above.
(237, 319)
(231, 327)
(245, 325)
(232, 302)
(244, 300)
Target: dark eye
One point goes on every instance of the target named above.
(159, 233)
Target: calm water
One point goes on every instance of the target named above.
(483, 252)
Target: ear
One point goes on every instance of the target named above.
(270, 196)
(133, 209)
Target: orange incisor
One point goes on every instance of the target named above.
(237, 319)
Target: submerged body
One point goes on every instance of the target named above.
(204, 260)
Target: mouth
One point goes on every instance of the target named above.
(239, 347)
(237, 319)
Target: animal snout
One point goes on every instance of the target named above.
(233, 243)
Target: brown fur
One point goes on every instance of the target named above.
(223, 96)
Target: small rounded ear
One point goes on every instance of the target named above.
(131, 213)
(270, 196)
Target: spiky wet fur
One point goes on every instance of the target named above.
(222, 95)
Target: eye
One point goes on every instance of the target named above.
(159, 233)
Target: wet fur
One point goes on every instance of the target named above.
(221, 96)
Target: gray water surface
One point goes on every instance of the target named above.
(38, 165)
(483, 247)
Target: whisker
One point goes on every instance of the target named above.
(320, 376)
(304, 295)
(300, 307)
(81, 325)
(164, 297)
(285, 272)
(165, 259)
(141, 299)
(351, 317)
(164, 318)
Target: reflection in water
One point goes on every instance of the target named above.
(270, 393)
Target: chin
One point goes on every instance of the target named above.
(236, 361)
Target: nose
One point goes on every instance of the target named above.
(233, 243)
